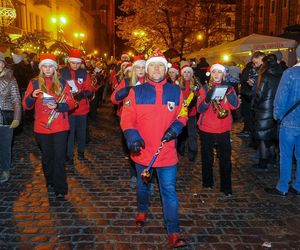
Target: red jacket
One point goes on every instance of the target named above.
(149, 110)
(121, 92)
(42, 112)
(83, 82)
(186, 91)
(208, 119)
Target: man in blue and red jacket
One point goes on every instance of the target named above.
(82, 89)
(151, 115)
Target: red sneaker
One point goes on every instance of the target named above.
(175, 240)
(140, 219)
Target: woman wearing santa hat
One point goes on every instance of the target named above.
(51, 99)
(189, 133)
(137, 77)
(173, 73)
(215, 124)
(82, 89)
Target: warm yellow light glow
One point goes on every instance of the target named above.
(105, 55)
(53, 20)
(82, 34)
(63, 20)
(226, 58)
(76, 34)
(199, 37)
(95, 52)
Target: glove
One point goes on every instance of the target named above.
(136, 146)
(14, 124)
(209, 95)
(169, 135)
(78, 96)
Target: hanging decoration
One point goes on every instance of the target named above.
(7, 13)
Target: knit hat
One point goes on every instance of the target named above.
(298, 51)
(157, 56)
(75, 56)
(127, 67)
(174, 68)
(187, 68)
(139, 61)
(17, 58)
(48, 59)
(217, 66)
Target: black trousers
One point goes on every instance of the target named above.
(208, 141)
(54, 149)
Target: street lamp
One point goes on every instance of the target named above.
(59, 22)
(81, 36)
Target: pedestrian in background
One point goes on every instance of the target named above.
(287, 112)
(51, 100)
(10, 116)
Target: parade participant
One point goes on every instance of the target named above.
(150, 117)
(51, 99)
(10, 116)
(121, 92)
(287, 114)
(215, 125)
(173, 73)
(82, 89)
(189, 133)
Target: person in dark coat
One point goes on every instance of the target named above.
(201, 69)
(264, 124)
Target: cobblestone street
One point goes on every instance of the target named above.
(99, 210)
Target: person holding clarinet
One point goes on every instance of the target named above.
(51, 99)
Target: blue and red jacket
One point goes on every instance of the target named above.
(121, 92)
(42, 112)
(83, 82)
(208, 120)
(149, 110)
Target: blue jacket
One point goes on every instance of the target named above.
(288, 93)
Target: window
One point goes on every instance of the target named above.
(273, 7)
(228, 21)
(37, 22)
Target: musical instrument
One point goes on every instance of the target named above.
(217, 107)
(54, 114)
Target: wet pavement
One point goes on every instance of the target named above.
(99, 211)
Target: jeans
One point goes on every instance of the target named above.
(78, 125)
(6, 135)
(289, 139)
(53, 147)
(167, 185)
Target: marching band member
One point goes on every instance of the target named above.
(51, 99)
(215, 124)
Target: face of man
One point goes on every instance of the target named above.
(186, 75)
(140, 71)
(217, 75)
(156, 71)
(257, 62)
(48, 69)
(74, 65)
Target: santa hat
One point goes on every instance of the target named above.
(174, 68)
(75, 56)
(48, 59)
(125, 57)
(218, 66)
(127, 67)
(123, 64)
(17, 58)
(157, 56)
(187, 68)
(139, 61)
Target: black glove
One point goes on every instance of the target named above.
(78, 96)
(209, 95)
(136, 146)
(169, 135)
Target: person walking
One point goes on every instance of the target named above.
(10, 116)
(150, 119)
(51, 99)
(287, 112)
(215, 125)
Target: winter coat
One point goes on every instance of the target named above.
(262, 105)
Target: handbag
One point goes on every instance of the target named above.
(7, 116)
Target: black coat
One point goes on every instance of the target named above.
(265, 125)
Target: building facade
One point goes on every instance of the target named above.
(268, 17)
